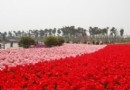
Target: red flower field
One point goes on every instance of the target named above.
(106, 69)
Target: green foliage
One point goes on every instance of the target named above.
(60, 40)
(121, 32)
(53, 41)
(26, 42)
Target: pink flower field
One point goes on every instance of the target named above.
(13, 57)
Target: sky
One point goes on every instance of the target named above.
(41, 14)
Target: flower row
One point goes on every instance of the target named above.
(34, 55)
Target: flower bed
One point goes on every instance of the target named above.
(107, 69)
(34, 55)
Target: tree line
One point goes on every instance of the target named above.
(68, 32)
(104, 31)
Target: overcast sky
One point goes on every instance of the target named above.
(41, 14)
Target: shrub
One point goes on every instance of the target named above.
(26, 42)
(60, 40)
(53, 41)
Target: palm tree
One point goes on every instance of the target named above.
(23, 33)
(104, 31)
(94, 31)
(29, 32)
(19, 33)
(46, 32)
(121, 32)
(113, 31)
(54, 31)
(4, 36)
(59, 32)
(15, 33)
(10, 35)
(41, 33)
(90, 31)
(36, 34)
(50, 32)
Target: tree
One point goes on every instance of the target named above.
(53, 41)
(26, 42)
(4, 36)
(105, 31)
(46, 32)
(121, 32)
(23, 33)
(36, 34)
(72, 31)
(19, 33)
(65, 31)
(59, 32)
(10, 34)
(54, 31)
(50, 32)
(113, 31)
(42, 33)
(15, 33)
(90, 31)
(94, 31)
(29, 32)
